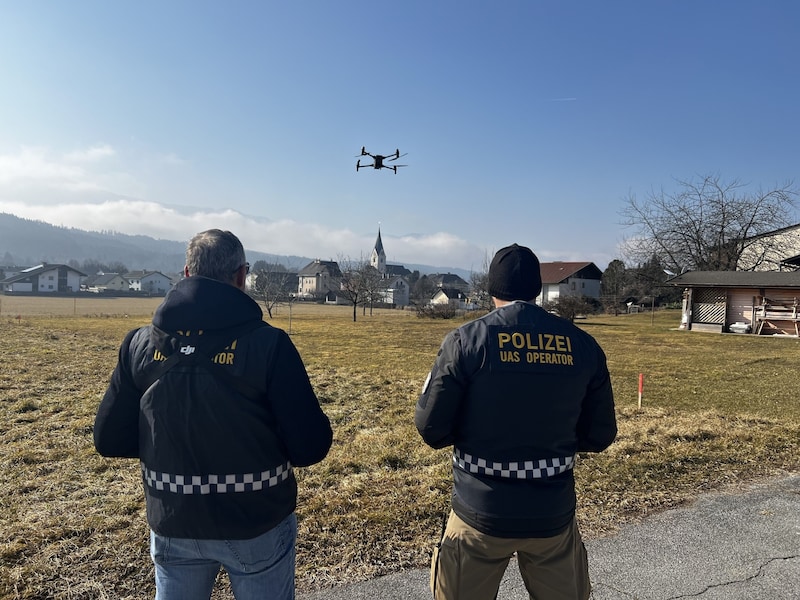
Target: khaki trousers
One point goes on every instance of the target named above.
(469, 565)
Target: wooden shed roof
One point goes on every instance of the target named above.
(737, 279)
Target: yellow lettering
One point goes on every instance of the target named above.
(541, 348)
(530, 344)
(517, 340)
(548, 358)
(549, 342)
(560, 345)
(224, 358)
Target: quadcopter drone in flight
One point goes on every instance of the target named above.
(379, 159)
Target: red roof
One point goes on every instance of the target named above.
(556, 272)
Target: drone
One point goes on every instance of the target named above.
(379, 159)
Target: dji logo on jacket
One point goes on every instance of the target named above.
(187, 350)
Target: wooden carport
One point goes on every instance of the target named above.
(758, 302)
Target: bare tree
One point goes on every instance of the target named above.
(375, 287)
(707, 225)
(422, 291)
(355, 283)
(479, 286)
(117, 267)
(91, 266)
(272, 284)
(569, 306)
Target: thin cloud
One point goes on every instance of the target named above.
(80, 189)
(284, 237)
(35, 171)
(91, 154)
(172, 159)
(33, 164)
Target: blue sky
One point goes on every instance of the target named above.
(523, 121)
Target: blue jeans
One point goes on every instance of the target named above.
(261, 567)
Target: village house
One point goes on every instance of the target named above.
(321, 280)
(150, 282)
(395, 291)
(105, 282)
(777, 250)
(44, 279)
(452, 297)
(569, 279)
(449, 281)
(318, 279)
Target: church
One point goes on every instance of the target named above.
(394, 282)
(321, 279)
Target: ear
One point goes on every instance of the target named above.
(186, 270)
(240, 278)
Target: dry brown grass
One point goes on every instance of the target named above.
(88, 305)
(718, 410)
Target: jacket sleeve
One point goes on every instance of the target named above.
(437, 407)
(116, 425)
(302, 426)
(597, 424)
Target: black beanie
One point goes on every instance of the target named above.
(514, 274)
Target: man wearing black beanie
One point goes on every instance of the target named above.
(517, 393)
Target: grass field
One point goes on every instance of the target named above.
(718, 410)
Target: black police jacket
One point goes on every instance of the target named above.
(517, 393)
(216, 449)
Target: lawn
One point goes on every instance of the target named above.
(717, 410)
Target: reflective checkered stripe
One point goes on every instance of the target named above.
(528, 469)
(216, 484)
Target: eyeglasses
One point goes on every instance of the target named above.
(246, 268)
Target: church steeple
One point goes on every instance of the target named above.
(378, 257)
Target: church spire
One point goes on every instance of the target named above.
(378, 256)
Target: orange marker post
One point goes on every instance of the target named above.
(641, 388)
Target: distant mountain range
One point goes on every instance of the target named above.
(24, 242)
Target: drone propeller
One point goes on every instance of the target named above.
(397, 155)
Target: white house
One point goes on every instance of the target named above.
(453, 297)
(106, 282)
(397, 291)
(151, 282)
(569, 279)
(45, 279)
(449, 281)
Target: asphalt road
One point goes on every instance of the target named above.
(742, 545)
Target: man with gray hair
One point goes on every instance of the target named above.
(218, 408)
